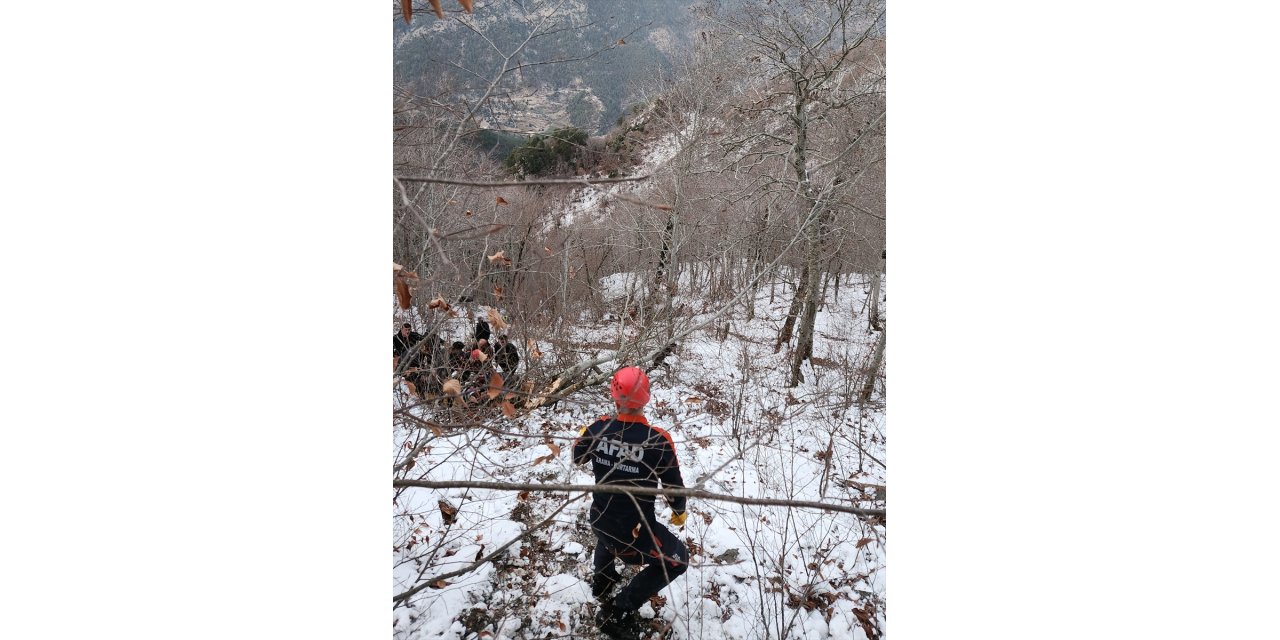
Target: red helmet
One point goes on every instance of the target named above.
(630, 388)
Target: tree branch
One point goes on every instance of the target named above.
(522, 183)
(644, 491)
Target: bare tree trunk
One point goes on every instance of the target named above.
(869, 386)
(873, 316)
(784, 336)
(809, 309)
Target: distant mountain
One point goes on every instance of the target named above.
(445, 58)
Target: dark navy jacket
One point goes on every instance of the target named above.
(626, 449)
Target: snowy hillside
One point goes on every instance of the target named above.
(756, 571)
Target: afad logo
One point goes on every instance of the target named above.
(621, 450)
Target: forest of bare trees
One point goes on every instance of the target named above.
(752, 170)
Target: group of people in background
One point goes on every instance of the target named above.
(427, 361)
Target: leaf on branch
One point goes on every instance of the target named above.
(555, 451)
(447, 511)
(468, 213)
(435, 6)
(438, 303)
(500, 256)
(495, 386)
(635, 532)
(663, 207)
(522, 496)
(406, 8)
(402, 293)
(496, 320)
(435, 430)
(534, 353)
(480, 553)
(438, 584)
(396, 267)
(862, 543)
(622, 41)
(497, 293)
(500, 200)
(560, 624)
(508, 409)
(452, 387)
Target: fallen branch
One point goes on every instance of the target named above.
(475, 565)
(643, 491)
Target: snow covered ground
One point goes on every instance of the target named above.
(756, 572)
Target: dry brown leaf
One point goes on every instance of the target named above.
(406, 8)
(402, 293)
(555, 449)
(435, 431)
(447, 511)
(468, 213)
(495, 320)
(663, 207)
(522, 496)
(508, 409)
(500, 256)
(452, 387)
(438, 584)
(396, 267)
(862, 543)
(548, 250)
(622, 41)
(466, 5)
(635, 533)
(500, 200)
(560, 624)
(438, 303)
(435, 6)
(495, 386)
(497, 293)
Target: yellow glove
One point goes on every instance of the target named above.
(678, 519)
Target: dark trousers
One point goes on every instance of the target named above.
(665, 558)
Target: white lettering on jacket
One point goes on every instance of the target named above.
(620, 449)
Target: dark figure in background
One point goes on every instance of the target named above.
(457, 357)
(625, 449)
(506, 356)
(482, 330)
(401, 342)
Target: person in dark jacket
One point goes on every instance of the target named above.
(506, 356)
(625, 449)
(482, 330)
(402, 341)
